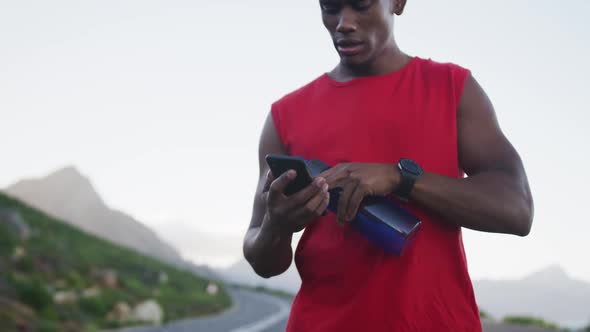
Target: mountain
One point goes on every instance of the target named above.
(550, 294)
(54, 277)
(68, 195)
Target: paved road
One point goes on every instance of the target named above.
(252, 312)
(278, 327)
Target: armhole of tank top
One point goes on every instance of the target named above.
(277, 122)
(459, 76)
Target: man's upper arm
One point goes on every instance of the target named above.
(270, 142)
(482, 145)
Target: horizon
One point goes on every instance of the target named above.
(153, 98)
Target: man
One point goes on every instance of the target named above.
(391, 125)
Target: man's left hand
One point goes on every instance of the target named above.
(357, 181)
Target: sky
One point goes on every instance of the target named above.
(161, 104)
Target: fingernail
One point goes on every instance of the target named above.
(325, 188)
(291, 174)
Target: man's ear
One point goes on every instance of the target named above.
(397, 6)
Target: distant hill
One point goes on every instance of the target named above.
(68, 195)
(54, 277)
(549, 293)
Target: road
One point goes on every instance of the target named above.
(251, 312)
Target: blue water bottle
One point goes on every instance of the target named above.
(381, 220)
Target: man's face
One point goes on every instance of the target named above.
(360, 29)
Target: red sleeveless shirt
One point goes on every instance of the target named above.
(349, 284)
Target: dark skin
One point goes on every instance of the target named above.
(495, 197)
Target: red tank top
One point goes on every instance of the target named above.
(349, 284)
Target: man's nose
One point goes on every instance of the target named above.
(347, 21)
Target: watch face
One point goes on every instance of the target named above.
(410, 166)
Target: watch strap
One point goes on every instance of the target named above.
(406, 184)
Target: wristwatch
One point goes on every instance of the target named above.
(410, 171)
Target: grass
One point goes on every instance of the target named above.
(59, 257)
(530, 321)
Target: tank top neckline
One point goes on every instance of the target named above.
(355, 80)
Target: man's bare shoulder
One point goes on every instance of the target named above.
(302, 93)
(439, 68)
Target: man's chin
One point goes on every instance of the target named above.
(353, 61)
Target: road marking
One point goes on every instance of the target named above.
(268, 321)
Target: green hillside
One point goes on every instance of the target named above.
(54, 277)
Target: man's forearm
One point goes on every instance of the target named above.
(490, 201)
(267, 250)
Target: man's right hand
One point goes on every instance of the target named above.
(275, 216)
(290, 214)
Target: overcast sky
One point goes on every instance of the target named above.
(161, 104)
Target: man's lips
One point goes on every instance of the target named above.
(349, 47)
(350, 50)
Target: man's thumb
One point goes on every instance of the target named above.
(279, 185)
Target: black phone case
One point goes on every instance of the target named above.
(280, 163)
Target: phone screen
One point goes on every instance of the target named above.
(279, 164)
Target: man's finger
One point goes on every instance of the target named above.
(322, 208)
(304, 195)
(316, 202)
(312, 209)
(327, 172)
(355, 202)
(335, 175)
(277, 187)
(269, 179)
(344, 199)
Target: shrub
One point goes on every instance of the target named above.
(74, 279)
(45, 326)
(484, 315)
(7, 240)
(530, 321)
(95, 306)
(33, 293)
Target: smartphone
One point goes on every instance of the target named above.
(279, 164)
